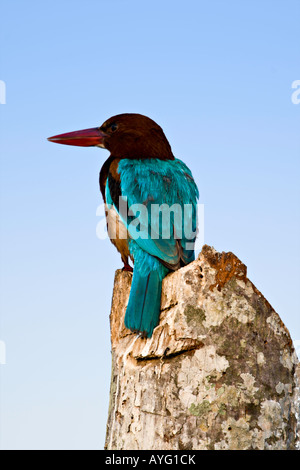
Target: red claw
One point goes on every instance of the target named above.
(127, 267)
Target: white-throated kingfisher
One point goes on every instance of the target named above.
(142, 173)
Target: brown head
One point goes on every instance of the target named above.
(125, 136)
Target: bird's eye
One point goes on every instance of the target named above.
(113, 127)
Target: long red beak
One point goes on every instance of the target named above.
(84, 138)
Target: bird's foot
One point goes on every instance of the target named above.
(127, 267)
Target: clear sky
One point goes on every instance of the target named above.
(217, 76)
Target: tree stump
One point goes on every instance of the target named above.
(218, 373)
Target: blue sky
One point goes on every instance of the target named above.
(217, 76)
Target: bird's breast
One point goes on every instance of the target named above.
(117, 231)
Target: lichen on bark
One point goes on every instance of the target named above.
(218, 373)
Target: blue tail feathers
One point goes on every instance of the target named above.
(143, 309)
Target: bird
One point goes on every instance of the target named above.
(139, 179)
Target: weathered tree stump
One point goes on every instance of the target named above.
(218, 373)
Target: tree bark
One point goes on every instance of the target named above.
(218, 373)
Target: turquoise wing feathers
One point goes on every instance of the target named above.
(162, 222)
(149, 185)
